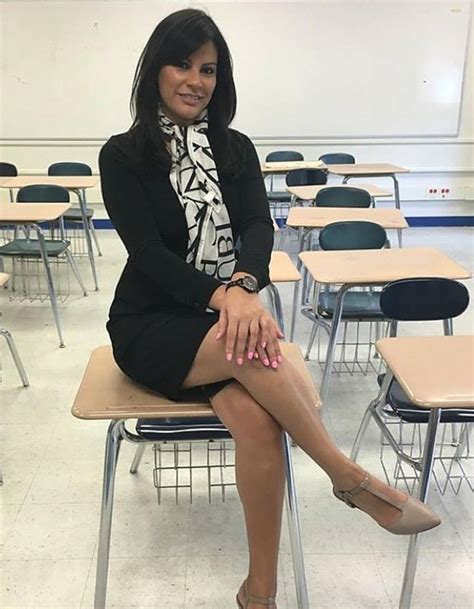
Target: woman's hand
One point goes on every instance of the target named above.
(248, 327)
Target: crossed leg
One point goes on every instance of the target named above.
(286, 402)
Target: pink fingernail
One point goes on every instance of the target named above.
(250, 355)
(280, 359)
(274, 364)
(229, 357)
(264, 344)
(266, 362)
(240, 361)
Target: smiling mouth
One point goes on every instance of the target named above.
(188, 96)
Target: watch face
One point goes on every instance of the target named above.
(250, 284)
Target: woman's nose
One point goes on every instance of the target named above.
(194, 77)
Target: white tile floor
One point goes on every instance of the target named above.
(185, 557)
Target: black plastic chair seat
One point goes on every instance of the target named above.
(410, 413)
(357, 305)
(74, 214)
(29, 248)
(278, 197)
(175, 429)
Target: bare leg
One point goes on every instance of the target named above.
(286, 396)
(260, 480)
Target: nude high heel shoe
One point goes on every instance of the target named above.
(415, 516)
(266, 601)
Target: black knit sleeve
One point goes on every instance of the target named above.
(256, 225)
(129, 209)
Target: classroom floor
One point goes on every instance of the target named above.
(189, 556)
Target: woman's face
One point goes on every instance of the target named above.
(186, 90)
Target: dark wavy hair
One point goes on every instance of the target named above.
(174, 39)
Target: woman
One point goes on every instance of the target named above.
(182, 189)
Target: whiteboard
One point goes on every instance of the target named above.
(303, 70)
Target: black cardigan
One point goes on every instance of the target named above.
(145, 210)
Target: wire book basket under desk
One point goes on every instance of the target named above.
(192, 466)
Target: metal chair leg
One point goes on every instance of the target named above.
(137, 458)
(51, 290)
(276, 306)
(425, 478)
(361, 433)
(312, 337)
(112, 449)
(16, 357)
(294, 529)
(75, 270)
(94, 236)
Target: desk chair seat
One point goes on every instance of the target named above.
(178, 429)
(106, 393)
(29, 248)
(74, 214)
(404, 408)
(357, 306)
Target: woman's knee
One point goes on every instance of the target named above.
(246, 419)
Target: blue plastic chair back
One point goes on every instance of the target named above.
(349, 196)
(8, 170)
(306, 177)
(352, 235)
(69, 169)
(424, 299)
(280, 156)
(43, 193)
(337, 158)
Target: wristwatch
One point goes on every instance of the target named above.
(247, 283)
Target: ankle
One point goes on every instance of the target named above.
(262, 586)
(348, 477)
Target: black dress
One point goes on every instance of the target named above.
(158, 317)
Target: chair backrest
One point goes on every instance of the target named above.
(306, 177)
(69, 169)
(349, 196)
(280, 156)
(353, 235)
(8, 170)
(43, 193)
(424, 299)
(337, 158)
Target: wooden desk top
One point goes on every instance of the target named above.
(365, 169)
(318, 217)
(4, 277)
(106, 393)
(434, 371)
(3, 180)
(310, 192)
(71, 182)
(25, 213)
(282, 268)
(286, 166)
(380, 266)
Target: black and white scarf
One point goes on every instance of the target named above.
(195, 181)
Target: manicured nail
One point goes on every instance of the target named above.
(280, 359)
(240, 361)
(255, 356)
(229, 357)
(264, 345)
(274, 364)
(266, 362)
(250, 354)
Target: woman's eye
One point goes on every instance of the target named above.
(183, 65)
(209, 71)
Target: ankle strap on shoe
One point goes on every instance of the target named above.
(346, 496)
(267, 601)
